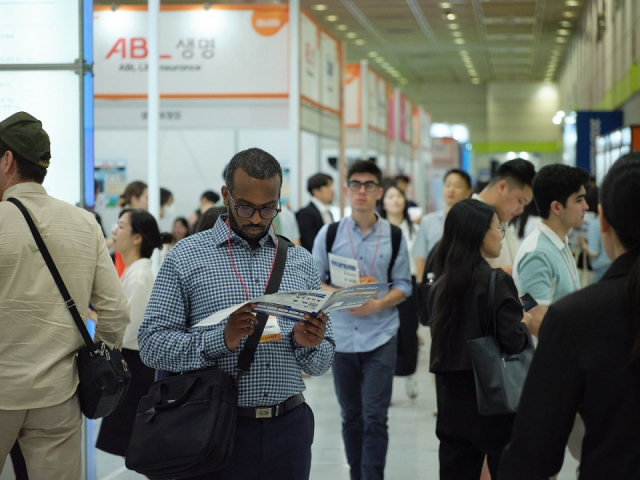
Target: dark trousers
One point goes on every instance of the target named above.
(363, 383)
(272, 449)
(407, 354)
(465, 435)
(19, 464)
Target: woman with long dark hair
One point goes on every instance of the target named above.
(588, 357)
(394, 206)
(135, 238)
(459, 309)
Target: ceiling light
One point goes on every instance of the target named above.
(395, 74)
(373, 54)
(475, 80)
(450, 16)
(561, 40)
(556, 52)
(379, 59)
(453, 26)
(456, 34)
(319, 7)
(445, 5)
(331, 18)
(569, 14)
(563, 31)
(572, 3)
(359, 42)
(459, 41)
(352, 35)
(473, 73)
(342, 27)
(565, 23)
(385, 64)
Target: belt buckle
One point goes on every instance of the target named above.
(264, 412)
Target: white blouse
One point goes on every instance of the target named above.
(137, 281)
(410, 239)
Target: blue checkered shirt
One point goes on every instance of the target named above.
(196, 280)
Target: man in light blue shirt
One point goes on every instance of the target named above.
(365, 337)
(456, 186)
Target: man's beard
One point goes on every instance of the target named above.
(244, 235)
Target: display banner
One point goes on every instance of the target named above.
(372, 98)
(227, 51)
(39, 32)
(331, 72)
(310, 59)
(383, 104)
(353, 96)
(53, 97)
(590, 125)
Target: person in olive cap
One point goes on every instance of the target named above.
(38, 377)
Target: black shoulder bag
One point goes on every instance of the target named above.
(499, 376)
(185, 425)
(104, 375)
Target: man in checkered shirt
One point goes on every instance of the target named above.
(225, 266)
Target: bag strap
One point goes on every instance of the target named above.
(251, 345)
(332, 231)
(71, 305)
(492, 302)
(396, 239)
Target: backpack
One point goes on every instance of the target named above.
(396, 239)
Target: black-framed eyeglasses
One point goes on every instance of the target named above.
(355, 186)
(246, 211)
(503, 231)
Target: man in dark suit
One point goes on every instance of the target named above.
(312, 217)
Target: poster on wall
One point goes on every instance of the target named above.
(32, 92)
(203, 53)
(111, 180)
(310, 61)
(49, 36)
(383, 104)
(372, 98)
(352, 96)
(331, 72)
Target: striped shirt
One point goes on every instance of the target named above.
(196, 280)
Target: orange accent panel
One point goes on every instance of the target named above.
(318, 105)
(352, 71)
(376, 129)
(129, 96)
(163, 8)
(353, 125)
(131, 8)
(635, 139)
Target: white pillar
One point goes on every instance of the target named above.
(364, 114)
(294, 104)
(153, 116)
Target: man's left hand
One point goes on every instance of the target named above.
(372, 306)
(310, 332)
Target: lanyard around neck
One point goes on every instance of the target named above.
(353, 249)
(273, 262)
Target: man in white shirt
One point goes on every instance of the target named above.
(509, 191)
(312, 217)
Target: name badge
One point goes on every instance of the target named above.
(271, 331)
(367, 279)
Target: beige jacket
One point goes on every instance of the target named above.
(38, 338)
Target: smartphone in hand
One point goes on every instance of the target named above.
(528, 302)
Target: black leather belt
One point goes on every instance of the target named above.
(273, 411)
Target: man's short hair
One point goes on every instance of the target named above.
(402, 178)
(364, 166)
(461, 173)
(210, 196)
(318, 180)
(256, 163)
(557, 183)
(27, 171)
(518, 173)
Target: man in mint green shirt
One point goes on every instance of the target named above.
(544, 266)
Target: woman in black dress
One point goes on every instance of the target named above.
(458, 306)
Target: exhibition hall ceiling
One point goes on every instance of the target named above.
(457, 41)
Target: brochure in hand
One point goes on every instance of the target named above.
(295, 305)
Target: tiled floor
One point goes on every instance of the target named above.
(413, 446)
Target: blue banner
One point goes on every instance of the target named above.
(589, 125)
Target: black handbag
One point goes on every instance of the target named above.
(499, 377)
(185, 425)
(103, 373)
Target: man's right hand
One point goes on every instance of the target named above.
(241, 323)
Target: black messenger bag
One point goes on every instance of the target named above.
(185, 425)
(104, 375)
